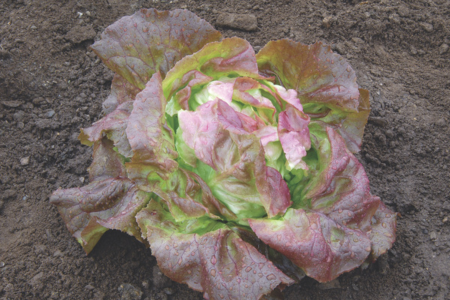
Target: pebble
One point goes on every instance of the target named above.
(443, 49)
(130, 292)
(19, 116)
(12, 104)
(2, 264)
(169, 291)
(333, 284)
(50, 114)
(25, 161)
(445, 220)
(58, 253)
(433, 235)
(440, 122)
(247, 22)
(426, 26)
(80, 34)
(327, 21)
(159, 279)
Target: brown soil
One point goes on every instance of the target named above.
(51, 85)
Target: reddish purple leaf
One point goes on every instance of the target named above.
(320, 246)
(218, 263)
(113, 126)
(384, 225)
(93, 209)
(222, 138)
(325, 82)
(293, 133)
(217, 59)
(121, 91)
(314, 71)
(106, 162)
(149, 136)
(342, 189)
(149, 41)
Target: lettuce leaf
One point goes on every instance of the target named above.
(137, 46)
(325, 82)
(233, 160)
(104, 204)
(208, 256)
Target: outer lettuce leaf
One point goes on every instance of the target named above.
(93, 209)
(149, 136)
(149, 41)
(336, 198)
(320, 246)
(233, 160)
(325, 82)
(121, 91)
(113, 126)
(340, 188)
(384, 224)
(106, 162)
(211, 259)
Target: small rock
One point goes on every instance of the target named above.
(12, 104)
(145, 284)
(394, 18)
(355, 287)
(89, 287)
(8, 194)
(443, 49)
(160, 280)
(327, 21)
(440, 122)
(50, 114)
(58, 253)
(19, 116)
(2, 264)
(40, 249)
(36, 279)
(333, 284)
(381, 122)
(357, 40)
(426, 26)
(169, 291)
(445, 220)
(247, 22)
(129, 292)
(25, 161)
(38, 101)
(433, 235)
(33, 27)
(81, 179)
(4, 53)
(80, 34)
(9, 288)
(403, 11)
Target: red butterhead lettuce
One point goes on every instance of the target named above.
(237, 169)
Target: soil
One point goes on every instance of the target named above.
(51, 85)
